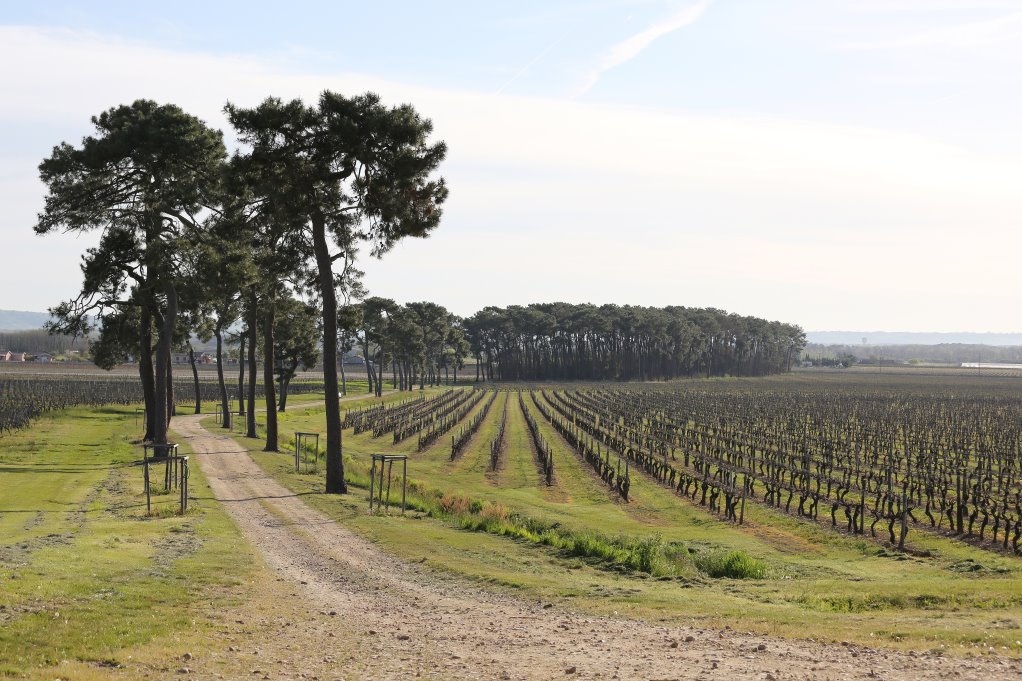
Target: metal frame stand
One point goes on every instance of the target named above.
(302, 441)
(386, 461)
(175, 472)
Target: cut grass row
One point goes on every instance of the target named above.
(87, 579)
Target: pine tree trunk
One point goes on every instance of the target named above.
(268, 381)
(365, 358)
(335, 483)
(285, 381)
(253, 330)
(225, 403)
(163, 387)
(241, 377)
(378, 375)
(146, 375)
(171, 400)
(195, 379)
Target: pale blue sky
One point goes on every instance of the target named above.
(836, 164)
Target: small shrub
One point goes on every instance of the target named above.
(497, 512)
(591, 545)
(550, 538)
(647, 555)
(732, 564)
(454, 504)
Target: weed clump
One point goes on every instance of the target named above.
(731, 564)
(651, 555)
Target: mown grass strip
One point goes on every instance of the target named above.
(85, 574)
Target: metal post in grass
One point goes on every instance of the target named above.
(390, 474)
(184, 484)
(148, 494)
(372, 484)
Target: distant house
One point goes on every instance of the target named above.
(200, 358)
(8, 356)
(353, 360)
(42, 357)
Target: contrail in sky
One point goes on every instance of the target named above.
(527, 66)
(628, 49)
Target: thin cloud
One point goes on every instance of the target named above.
(790, 201)
(630, 48)
(962, 35)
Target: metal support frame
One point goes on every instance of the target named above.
(175, 472)
(302, 441)
(386, 462)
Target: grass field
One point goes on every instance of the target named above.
(90, 584)
(946, 594)
(92, 588)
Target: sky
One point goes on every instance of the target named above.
(835, 164)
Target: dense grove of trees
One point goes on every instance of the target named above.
(420, 343)
(946, 353)
(561, 341)
(38, 340)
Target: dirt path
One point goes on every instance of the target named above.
(392, 620)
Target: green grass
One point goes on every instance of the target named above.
(86, 576)
(731, 564)
(660, 556)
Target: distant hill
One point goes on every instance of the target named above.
(16, 320)
(911, 338)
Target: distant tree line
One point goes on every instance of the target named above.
(946, 353)
(562, 341)
(420, 343)
(39, 340)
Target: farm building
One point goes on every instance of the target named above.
(200, 358)
(8, 356)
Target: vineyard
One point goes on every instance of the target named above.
(870, 459)
(855, 462)
(26, 397)
(882, 461)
